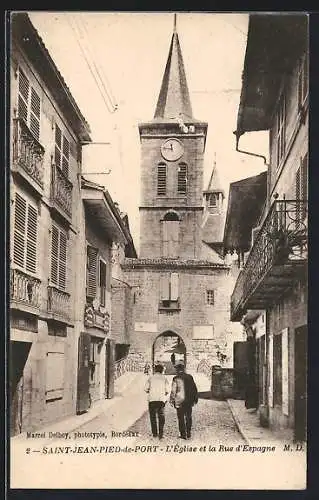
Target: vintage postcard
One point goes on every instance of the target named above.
(158, 250)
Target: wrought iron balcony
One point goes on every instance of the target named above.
(95, 318)
(61, 191)
(58, 303)
(279, 250)
(24, 291)
(28, 153)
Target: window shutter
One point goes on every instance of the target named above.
(19, 230)
(23, 97)
(32, 233)
(164, 287)
(66, 156)
(55, 255)
(304, 178)
(182, 178)
(91, 272)
(62, 260)
(35, 114)
(298, 193)
(58, 145)
(174, 286)
(161, 179)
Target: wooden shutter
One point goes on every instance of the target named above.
(58, 146)
(32, 234)
(20, 215)
(65, 156)
(55, 256)
(304, 178)
(35, 114)
(91, 272)
(161, 179)
(182, 178)
(62, 260)
(102, 281)
(174, 286)
(164, 287)
(23, 97)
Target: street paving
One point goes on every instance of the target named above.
(212, 423)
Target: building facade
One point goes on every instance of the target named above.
(182, 282)
(46, 131)
(274, 278)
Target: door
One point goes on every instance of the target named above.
(300, 432)
(19, 352)
(83, 391)
(109, 368)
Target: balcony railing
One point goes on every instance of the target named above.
(61, 190)
(96, 319)
(58, 303)
(28, 153)
(24, 289)
(280, 245)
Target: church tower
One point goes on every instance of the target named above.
(181, 308)
(172, 151)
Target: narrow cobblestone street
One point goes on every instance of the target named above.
(212, 423)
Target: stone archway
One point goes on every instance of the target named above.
(168, 348)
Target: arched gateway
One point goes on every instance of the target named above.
(168, 349)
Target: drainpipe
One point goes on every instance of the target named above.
(238, 135)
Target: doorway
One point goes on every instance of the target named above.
(168, 349)
(19, 352)
(300, 406)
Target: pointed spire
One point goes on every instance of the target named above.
(174, 101)
(214, 185)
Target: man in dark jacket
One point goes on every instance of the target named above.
(184, 396)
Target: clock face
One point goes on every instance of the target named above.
(172, 149)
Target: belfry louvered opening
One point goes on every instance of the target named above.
(161, 179)
(182, 178)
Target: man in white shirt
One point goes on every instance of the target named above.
(157, 387)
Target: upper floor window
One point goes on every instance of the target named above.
(29, 105)
(62, 151)
(58, 257)
(210, 297)
(303, 82)
(281, 129)
(96, 276)
(170, 226)
(182, 178)
(302, 188)
(25, 234)
(161, 179)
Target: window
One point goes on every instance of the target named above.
(210, 297)
(212, 200)
(102, 281)
(161, 179)
(170, 291)
(182, 178)
(62, 151)
(171, 234)
(54, 376)
(281, 129)
(29, 105)
(91, 270)
(58, 257)
(303, 85)
(25, 234)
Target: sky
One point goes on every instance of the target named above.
(130, 50)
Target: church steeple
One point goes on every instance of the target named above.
(174, 101)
